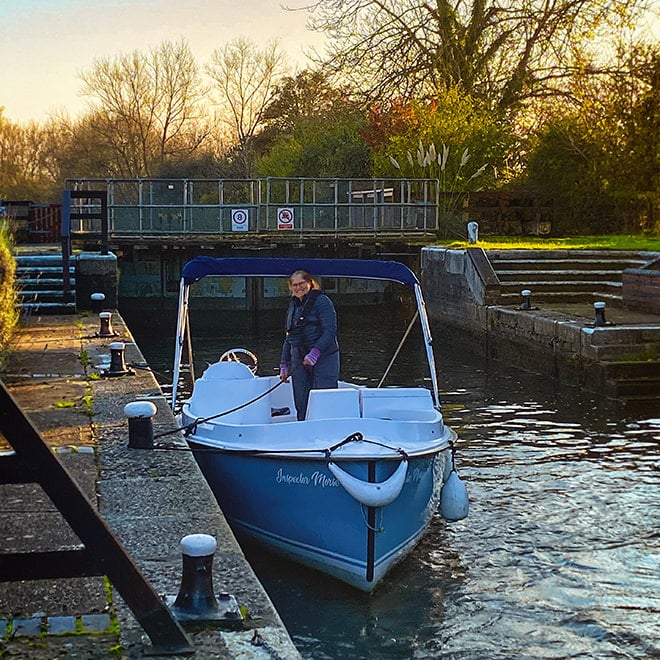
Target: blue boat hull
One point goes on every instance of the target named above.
(297, 508)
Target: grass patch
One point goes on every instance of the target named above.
(608, 242)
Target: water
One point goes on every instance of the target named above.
(560, 555)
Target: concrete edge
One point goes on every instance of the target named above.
(150, 499)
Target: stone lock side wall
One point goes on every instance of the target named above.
(96, 273)
(460, 306)
(641, 288)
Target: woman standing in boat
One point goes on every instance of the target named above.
(310, 354)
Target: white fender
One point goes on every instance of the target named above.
(372, 494)
(454, 501)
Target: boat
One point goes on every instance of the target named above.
(349, 490)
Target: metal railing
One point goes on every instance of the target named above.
(294, 206)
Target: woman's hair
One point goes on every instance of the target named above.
(307, 277)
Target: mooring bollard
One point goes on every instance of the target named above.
(106, 330)
(526, 299)
(97, 302)
(117, 363)
(473, 232)
(196, 600)
(196, 591)
(599, 309)
(140, 425)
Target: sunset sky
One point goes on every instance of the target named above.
(45, 44)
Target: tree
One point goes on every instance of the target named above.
(312, 129)
(452, 137)
(307, 94)
(599, 159)
(245, 81)
(503, 51)
(26, 165)
(146, 108)
(330, 148)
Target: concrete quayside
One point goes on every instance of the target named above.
(59, 375)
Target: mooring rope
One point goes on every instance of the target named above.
(327, 452)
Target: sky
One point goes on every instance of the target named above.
(45, 44)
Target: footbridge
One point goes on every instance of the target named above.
(238, 210)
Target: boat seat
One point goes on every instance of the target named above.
(382, 402)
(333, 404)
(224, 386)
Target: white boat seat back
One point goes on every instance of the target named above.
(333, 404)
(386, 402)
(227, 369)
(224, 386)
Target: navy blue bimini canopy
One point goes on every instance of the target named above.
(201, 267)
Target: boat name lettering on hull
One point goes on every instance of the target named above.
(317, 478)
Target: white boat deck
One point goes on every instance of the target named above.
(269, 419)
(228, 386)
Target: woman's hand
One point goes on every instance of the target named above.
(312, 357)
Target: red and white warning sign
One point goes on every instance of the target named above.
(240, 219)
(285, 218)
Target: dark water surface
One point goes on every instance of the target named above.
(560, 555)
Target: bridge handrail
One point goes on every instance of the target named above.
(301, 206)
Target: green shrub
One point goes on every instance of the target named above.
(8, 309)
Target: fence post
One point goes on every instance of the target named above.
(65, 236)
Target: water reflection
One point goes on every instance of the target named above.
(560, 556)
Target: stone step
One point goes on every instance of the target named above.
(555, 297)
(38, 259)
(633, 369)
(571, 255)
(567, 276)
(37, 283)
(634, 335)
(43, 295)
(40, 284)
(551, 287)
(48, 307)
(27, 271)
(619, 352)
(638, 387)
(635, 379)
(563, 276)
(640, 404)
(565, 265)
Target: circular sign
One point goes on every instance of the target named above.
(285, 218)
(239, 216)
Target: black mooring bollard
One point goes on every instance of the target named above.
(140, 425)
(106, 330)
(526, 299)
(97, 302)
(599, 309)
(196, 592)
(117, 363)
(196, 600)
